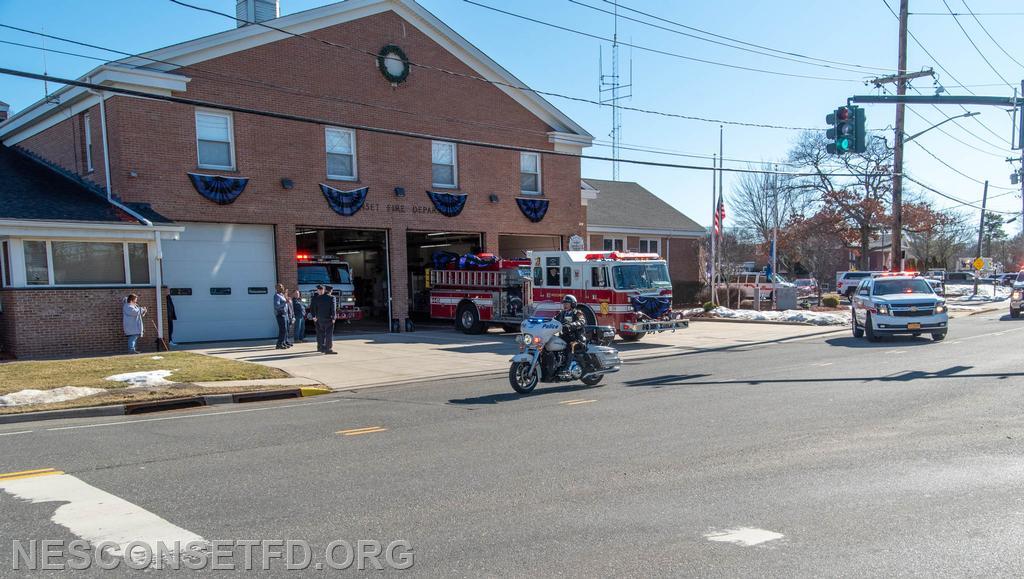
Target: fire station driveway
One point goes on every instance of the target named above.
(380, 359)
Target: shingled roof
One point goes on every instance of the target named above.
(32, 189)
(628, 205)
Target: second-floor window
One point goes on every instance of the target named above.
(444, 164)
(341, 153)
(215, 140)
(529, 172)
(88, 142)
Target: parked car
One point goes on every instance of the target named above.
(898, 304)
(959, 277)
(806, 287)
(846, 281)
(938, 286)
(1008, 279)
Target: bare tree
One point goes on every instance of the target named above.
(856, 187)
(754, 199)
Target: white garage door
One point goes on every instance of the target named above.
(222, 279)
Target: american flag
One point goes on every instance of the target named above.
(719, 216)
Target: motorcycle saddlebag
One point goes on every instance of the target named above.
(605, 356)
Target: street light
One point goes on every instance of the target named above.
(915, 135)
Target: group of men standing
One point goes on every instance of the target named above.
(291, 317)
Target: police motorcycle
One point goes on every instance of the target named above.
(545, 357)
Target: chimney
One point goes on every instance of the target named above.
(255, 11)
(4, 110)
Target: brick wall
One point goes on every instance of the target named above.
(71, 322)
(155, 142)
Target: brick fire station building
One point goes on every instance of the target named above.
(235, 196)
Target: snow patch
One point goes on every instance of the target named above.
(806, 316)
(140, 379)
(745, 536)
(156, 358)
(30, 396)
(986, 293)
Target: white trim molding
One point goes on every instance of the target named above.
(642, 232)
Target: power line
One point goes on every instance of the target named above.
(719, 43)
(1001, 155)
(985, 30)
(298, 91)
(958, 171)
(945, 70)
(653, 50)
(738, 41)
(952, 198)
(971, 40)
(382, 130)
(972, 13)
(498, 82)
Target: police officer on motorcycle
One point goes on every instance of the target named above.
(573, 322)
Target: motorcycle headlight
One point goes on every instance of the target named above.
(524, 339)
(940, 308)
(883, 309)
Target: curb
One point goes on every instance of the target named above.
(163, 405)
(768, 322)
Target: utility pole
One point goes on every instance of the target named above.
(897, 181)
(981, 234)
(775, 239)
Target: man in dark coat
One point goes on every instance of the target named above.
(324, 309)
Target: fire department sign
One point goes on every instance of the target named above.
(576, 243)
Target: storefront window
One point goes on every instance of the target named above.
(36, 270)
(138, 263)
(80, 262)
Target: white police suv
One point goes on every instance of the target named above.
(1017, 296)
(898, 304)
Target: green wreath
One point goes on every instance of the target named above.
(382, 57)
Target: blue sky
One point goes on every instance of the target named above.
(562, 62)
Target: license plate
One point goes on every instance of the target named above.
(913, 326)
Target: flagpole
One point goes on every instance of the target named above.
(721, 178)
(714, 234)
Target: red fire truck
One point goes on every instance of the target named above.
(631, 292)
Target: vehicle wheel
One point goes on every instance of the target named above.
(1014, 313)
(467, 319)
(520, 378)
(939, 336)
(592, 380)
(632, 336)
(858, 332)
(869, 330)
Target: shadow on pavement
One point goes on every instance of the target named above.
(513, 396)
(885, 342)
(909, 376)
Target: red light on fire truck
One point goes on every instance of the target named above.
(620, 256)
(302, 256)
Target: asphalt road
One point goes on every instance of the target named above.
(903, 457)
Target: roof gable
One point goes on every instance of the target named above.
(250, 36)
(628, 205)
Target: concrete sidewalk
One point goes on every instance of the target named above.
(379, 359)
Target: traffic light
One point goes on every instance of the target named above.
(847, 132)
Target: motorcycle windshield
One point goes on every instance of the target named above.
(641, 276)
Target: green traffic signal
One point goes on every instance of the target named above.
(847, 132)
(843, 145)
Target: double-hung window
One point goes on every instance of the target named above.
(650, 246)
(529, 173)
(444, 164)
(614, 244)
(215, 140)
(341, 153)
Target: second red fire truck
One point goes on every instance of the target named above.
(631, 292)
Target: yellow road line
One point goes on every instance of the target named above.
(575, 402)
(357, 431)
(29, 474)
